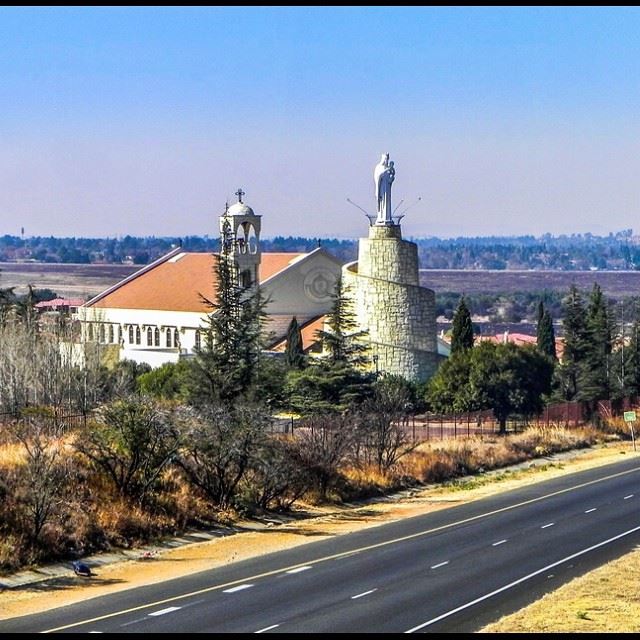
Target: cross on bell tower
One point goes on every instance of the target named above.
(240, 193)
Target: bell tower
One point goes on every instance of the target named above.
(240, 233)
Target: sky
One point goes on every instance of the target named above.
(144, 121)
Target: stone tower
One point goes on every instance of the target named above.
(240, 233)
(389, 302)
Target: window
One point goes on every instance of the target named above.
(90, 332)
(119, 333)
(130, 334)
(156, 335)
(245, 279)
(198, 339)
(110, 333)
(149, 337)
(101, 333)
(137, 335)
(176, 338)
(169, 338)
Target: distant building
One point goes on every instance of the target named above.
(66, 305)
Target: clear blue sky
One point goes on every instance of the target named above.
(145, 120)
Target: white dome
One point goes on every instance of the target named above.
(240, 209)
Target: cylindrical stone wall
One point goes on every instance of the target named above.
(398, 314)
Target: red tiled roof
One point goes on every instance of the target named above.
(308, 331)
(176, 283)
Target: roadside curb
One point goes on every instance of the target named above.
(64, 570)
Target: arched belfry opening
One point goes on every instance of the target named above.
(240, 231)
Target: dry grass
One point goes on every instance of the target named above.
(604, 600)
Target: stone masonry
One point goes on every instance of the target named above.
(389, 303)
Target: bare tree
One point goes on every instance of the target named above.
(43, 482)
(381, 436)
(324, 444)
(219, 446)
(131, 442)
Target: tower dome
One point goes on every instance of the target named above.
(240, 232)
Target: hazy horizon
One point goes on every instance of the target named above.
(143, 121)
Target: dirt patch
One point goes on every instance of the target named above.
(325, 522)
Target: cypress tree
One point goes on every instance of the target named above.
(462, 330)
(545, 335)
(294, 353)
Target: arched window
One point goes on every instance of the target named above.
(149, 337)
(119, 333)
(169, 338)
(198, 342)
(156, 335)
(245, 279)
(111, 334)
(101, 333)
(137, 335)
(90, 332)
(176, 338)
(130, 334)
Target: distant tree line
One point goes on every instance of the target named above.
(574, 252)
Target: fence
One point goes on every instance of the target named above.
(55, 420)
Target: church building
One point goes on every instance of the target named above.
(157, 314)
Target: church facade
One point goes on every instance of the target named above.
(157, 314)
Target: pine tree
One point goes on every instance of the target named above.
(462, 330)
(344, 342)
(294, 353)
(594, 382)
(545, 335)
(574, 329)
(631, 373)
(225, 366)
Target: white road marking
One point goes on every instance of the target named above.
(591, 510)
(544, 526)
(435, 566)
(629, 496)
(240, 587)
(495, 544)
(520, 580)
(299, 569)
(346, 554)
(273, 626)
(163, 611)
(362, 595)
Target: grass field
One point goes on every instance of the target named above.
(87, 280)
(613, 283)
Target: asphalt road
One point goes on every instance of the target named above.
(453, 570)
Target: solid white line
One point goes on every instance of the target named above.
(346, 554)
(240, 587)
(544, 526)
(629, 496)
(362, 595)
(523, 579)
(163, 611)
(495, 544)
(299, 569)
(273, 626)
(591, 510)
(435, 566)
